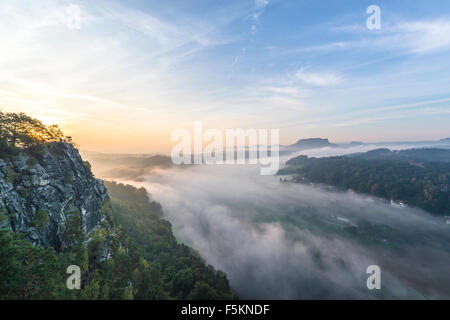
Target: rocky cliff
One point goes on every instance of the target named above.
(49, 197)
(41, 187)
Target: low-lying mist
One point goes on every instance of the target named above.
(124, 166)
(283, 240)
(331, 152)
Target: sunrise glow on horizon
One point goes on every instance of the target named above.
(132, 72)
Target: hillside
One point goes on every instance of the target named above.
(178, 270)
(418, 177)
(424, 154)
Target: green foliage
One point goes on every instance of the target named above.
(3, 216)
(140, 260)
(32, 161)
(92, 290)
(415, 184)
(106, 208)
(203, 291)
(17, 130)
(11, 174)
(87, 165)
(34, 272)
(27, 271)
(72, 233)
(68, 180)
(175, 270)
(41, 219)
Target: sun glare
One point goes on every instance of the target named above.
(49, 120)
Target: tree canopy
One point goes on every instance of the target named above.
(18, 130)
(424, 185)
(176, 271)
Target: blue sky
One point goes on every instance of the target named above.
(310, 68)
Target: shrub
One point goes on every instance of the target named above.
(68, 179)
(41, 219)
(11, 175)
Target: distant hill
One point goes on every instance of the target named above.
(312, 143)
(418, 177)
(125, 166)
(425, 154)
(316, 143)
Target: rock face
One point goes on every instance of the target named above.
(40, 187)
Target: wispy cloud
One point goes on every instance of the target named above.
(260, 6)
(46, 90)
(425, 36)
(157, 63)
(289, 90)
(408, 37)
(352, 121)
(405, 37)
(261, 3)
(168, 34)
(114, 42)
(318, 79)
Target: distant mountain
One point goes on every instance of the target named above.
(312, 143)
(316, 143)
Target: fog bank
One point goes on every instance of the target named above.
(291, 241)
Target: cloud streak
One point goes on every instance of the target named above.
(407, 37)
(318, 79)
(260, 7)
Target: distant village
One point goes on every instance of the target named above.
(296, 180)
(398, 204)
(416, 164)
(394, 203)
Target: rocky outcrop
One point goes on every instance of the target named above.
(41, 187)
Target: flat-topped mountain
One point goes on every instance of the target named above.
(312, 143)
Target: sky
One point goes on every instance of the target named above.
(125, 75)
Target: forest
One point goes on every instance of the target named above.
(423, 184)
(179, 270)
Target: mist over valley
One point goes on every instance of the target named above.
(287, 240)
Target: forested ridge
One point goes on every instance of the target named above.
(179, 270)
(419, 183)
